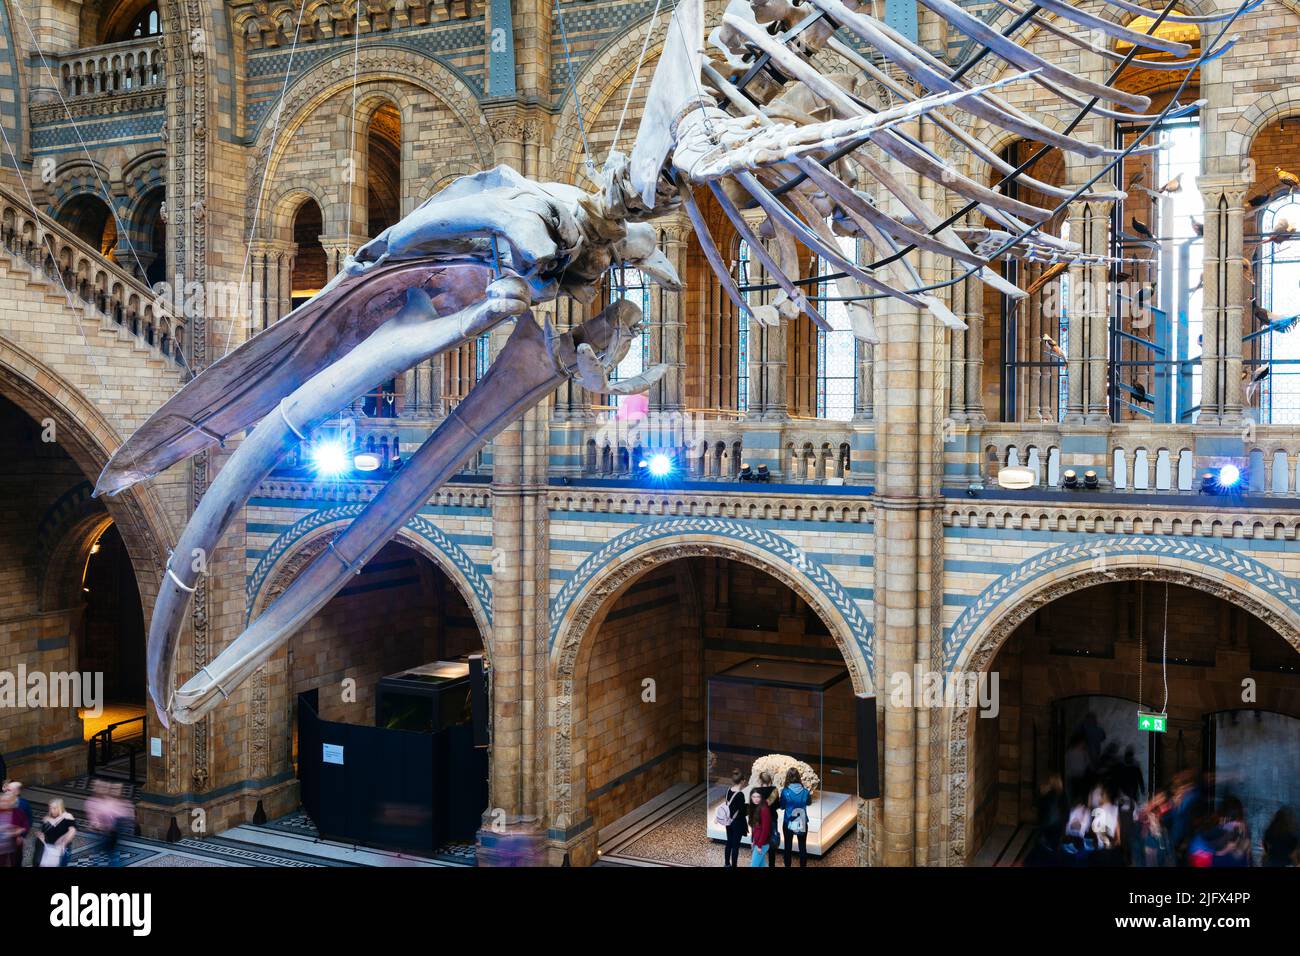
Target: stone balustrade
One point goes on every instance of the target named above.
(1146, 459)
(126, 67)
(49, 251)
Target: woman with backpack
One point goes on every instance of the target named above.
(762, 821)
(794, 802)
(731, 814)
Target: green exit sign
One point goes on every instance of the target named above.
(1152, 722)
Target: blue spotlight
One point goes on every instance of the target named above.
(661, 466)
(330, 459)
(1225, 480)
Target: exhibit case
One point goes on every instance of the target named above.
(770, 714)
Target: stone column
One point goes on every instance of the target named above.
(1224, 301)
(520, 549)
(973, 378)
(338, 248)
(1094, 221)
(670, 394)
(910, 365)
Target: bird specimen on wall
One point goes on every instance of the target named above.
(1140, 228)
(1254, 382)
(753, 119)
(1287, 178)
(1050, 344)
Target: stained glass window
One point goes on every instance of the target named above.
(836, 349)
(1279, 293)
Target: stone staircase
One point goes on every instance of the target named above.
(42, 249)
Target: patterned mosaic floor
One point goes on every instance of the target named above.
(301, 824)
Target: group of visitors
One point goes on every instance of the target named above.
(107, 812)
(53, 834)
(756, 817)
(1101, 815)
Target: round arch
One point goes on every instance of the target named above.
(577, 616)
(378, 64)
(89, 439)
(283, 207)
(300, 544)
(981, 631)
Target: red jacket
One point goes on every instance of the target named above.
(761, 833)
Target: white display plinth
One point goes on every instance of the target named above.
(830, 816)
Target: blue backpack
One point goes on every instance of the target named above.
(795, 805)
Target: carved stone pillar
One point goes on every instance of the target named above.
(669, 336)
(337, 249)
(1088, 291)
(1224, 301)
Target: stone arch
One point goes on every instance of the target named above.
(283, 207)
(89, 439)
(298, 546)
(1264, 110)
(602, 76)
(579, 608)
(377, 63)
(65, 534)
(986, 625)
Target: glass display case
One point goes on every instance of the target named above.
(769, 714)
(424, 699)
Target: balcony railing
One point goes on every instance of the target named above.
(126, 67)
(63, 260)
(1148, 459)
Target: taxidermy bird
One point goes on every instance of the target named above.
(1282, 232)
(1198, 227)
(1052, 347)
(1254, 381)
(1141, 395)
(1290, 179)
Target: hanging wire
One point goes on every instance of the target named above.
(352, 122)
(1164, 654)
(36, 220)
(270, 156)
(1142, 631)
(640, 62)
(577, 98)
(122, 231)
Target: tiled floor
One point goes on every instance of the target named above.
(291, 841)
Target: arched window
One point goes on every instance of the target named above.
(628, 283)
(131, 22)
(1155, 371)
(1279, 294)
(742, 332)
(836, 349)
